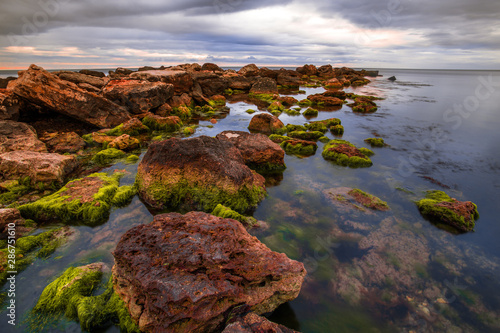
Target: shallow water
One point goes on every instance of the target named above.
(369, 272)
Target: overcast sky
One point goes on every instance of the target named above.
(462, 34)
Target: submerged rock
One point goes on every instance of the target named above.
(346, 154)
(19, 136)
(39, 167)
(42, 88)
(253, 323)
(441, 208)
(198, 173)
(265, 123)
(86, 201)
(258, 151)
(173, 282)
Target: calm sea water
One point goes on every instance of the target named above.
(368, 272)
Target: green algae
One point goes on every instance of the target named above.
(369, 200)
(293, 128)
(375, 142)
(316, 126)
(71, 208)
(299, 149)
(169, 125)
(292, 112)
(339, 158)
(108, 155)
(270, 98)
(278, 138)
(305, 102)
(70, 296)
(310, 112)
(436, 207)
(228, 213)
(366, 151)
(250, 111)
(124, 195)
(324, 139)
(306, 135)
(132, 159)
(337, 130)
(187, 131)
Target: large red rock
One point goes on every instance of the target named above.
(308, 70)
(9, 105)
(40, 167)
(138, 96)
(239, 82)
(288, 78)
(258, 151)
(265, 123)
(185, 273)
(19, 136)
(253, 323)
(210, 83)
(78, 78)
(249, 70)
(42, 88)
(264, 85)
(198, 174)
(211, 67)
(182, 80)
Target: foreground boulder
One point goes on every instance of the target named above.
(198, 173)
(39, 167)
(19, 136)
(138, 96)
(45, 89)
(252, 323)
(9, 105)
(439, 207)
(265, 123)
(258, 151)
(185, 273)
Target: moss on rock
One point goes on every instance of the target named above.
(368, 200)
(337, 130)
(168, 124)
(375, 142)
(310, 112)
(108, 155)
(439, 207)
(308, 136)
(346, 154)
(228, 213)
(299, 147)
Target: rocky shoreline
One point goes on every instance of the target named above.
(197, 272)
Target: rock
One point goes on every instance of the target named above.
(370, 73)
(258, 151)
(340, 94)
(134, 127)
(78, 78)
(299, 147)
(125, 142)
(239, 82)
(264, 86)
(198, 173)
(211, 67)
(42, 88)
(19, 136)
(346, 154)
(92, 73)
(308, 70)
(249, 70)
(168, 124)
(9, 105)
(164, 111)
(392, 78)
(265, 123)
(211, 84)
(439, 207)
(12, 217)
(138, 96)
(253, 323)
(182, 80)
(363, 105)
(61, 143)
(183, 100)
(40, 167)
(324, 100)
(368, 200)
(333, 84)
(326, 71)
(288, 79)
(88, 87)
(185, 273)
(5, 82)
(288, 100)
(82, 201)
(270, 73)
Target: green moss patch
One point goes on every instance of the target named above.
(270, 98)
(375, 142)
(311, 112)
(108, 155)
(299, 147)
(87, 200)
(368, 200)
(346, 154)
(317, 126)
(337, 130)
(308, 136)
(70, 295)
(293, 128)
(228, 213)
(167, 124)
(439, 207)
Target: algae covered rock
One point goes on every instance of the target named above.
(439, 207)
(375, 142)
(228, 213)
(299, 147)
(258, 151)
(82, 201)
(174, 283)
(108, 155)
(346, 154)
(198, 173)
(368, 200)
(168, 124)
(125, 142)
(349, 200)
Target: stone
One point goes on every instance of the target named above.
(324, 100)
(197, 174)
(92, 73)
(182, 80)
(125, 142)
(43, 168)
(134, 127)
(270, 73)
(78, 78)
(185, 273)
(42, 88)
(307, 70)
(9, 105)
(258, 151)
(253, 323)
(61, 143)
(333, 83)
(12, 217)
(88, 87)
(392, 78)
(326, 71)
(4, 82)
(211, 84)
(239, 82)
(249, 70)
(183, 100)
(211, 67)
(288, 79)
(19, 136)
(138, 96)
(265, 123)
(264, 85)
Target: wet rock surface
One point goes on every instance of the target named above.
(253, 323)
(265, 123)
(186, 272)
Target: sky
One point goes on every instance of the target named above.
(435, 34)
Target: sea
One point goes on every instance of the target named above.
(368, 271)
